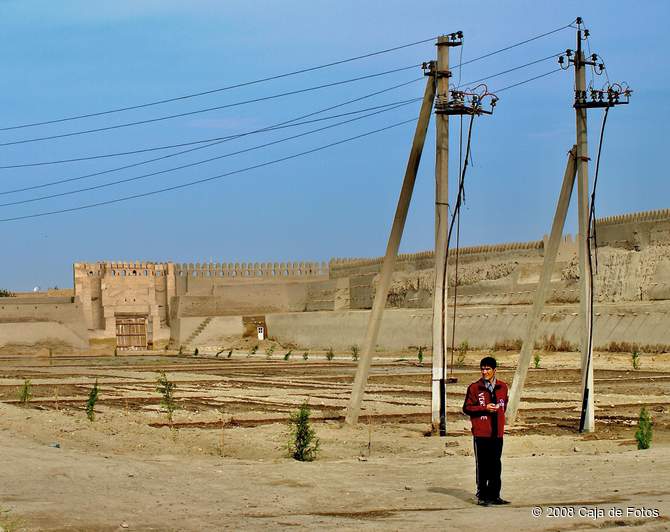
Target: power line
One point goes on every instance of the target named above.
(204, 161)
(191, 143)
(212, 178)
(516, 44)
(220, 89)
(510, 69)
(147, 161)
(526, 81)
(215, 108)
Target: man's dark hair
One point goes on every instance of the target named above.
(488, 361)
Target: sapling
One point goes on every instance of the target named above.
(536, 360)
(254, 349)
(26, 392)
(195, 352)
(354, 352)
(305, 355)
(644, 430)
(329, 354)
(288, 355)
(92, 399)
(269, 351)
(635, 359)
(166, 389)
(230, 353)
(462, 352)
(303, 443)
(419, 355)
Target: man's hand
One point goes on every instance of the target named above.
(492, 407)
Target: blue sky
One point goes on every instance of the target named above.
(74, 57)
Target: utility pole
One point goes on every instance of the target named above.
(439, 367)
(587, 422)
(374, 321)
(577, 163)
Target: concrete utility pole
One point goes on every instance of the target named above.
(587, 422)
(439, 369)
(578, 163)
(381, 293)
(535, 315)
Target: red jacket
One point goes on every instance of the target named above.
(484, 423)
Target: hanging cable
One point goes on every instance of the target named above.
(147, 161)
(457, 207)
(207, 179)
(458, 237)
(591, 220)
(208, 109)
(204, 161)
(527, 80)
(220, 89)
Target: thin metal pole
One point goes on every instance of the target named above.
(438, 388)
(535, 315)
(381, 294)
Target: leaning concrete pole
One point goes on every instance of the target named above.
(438, 388)
(587, 423)
(381, 293)
(535, 315)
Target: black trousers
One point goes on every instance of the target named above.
(487, 457)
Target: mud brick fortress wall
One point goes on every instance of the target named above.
(316, 304)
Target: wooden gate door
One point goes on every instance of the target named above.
(131, 332)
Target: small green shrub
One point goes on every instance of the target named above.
(230, 353)
(196, 351)
(166, 389)
(305, 355)
(181, 350)
(536, 360)
(462, 352)
(6, 293)
(354, 352)
(254, 349)
(92, 399)
(288, 354)
(269, 351)
(26, 392)
(9, 523)
(419, 354)
(303, 443)
(644, 431)
(330, 354)
(635, 359)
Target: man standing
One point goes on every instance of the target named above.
(485, 403)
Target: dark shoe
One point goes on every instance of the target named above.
(483, 502)
(498, 500)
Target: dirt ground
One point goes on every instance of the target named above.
(223, 464)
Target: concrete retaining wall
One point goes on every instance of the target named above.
(644, 324)
(56, 321)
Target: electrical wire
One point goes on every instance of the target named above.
(271, 78)
(208, 179)
(204, 161)
(220, 89)
(591, 221)
(208, 109)
(191, 143)
(526, 81)
(485, 78)
(516, 44)
(269, 128)
(147, 161)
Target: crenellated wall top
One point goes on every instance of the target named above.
(645, 216)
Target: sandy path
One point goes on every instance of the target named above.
(64, 489)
